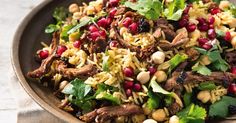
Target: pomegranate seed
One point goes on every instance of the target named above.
(186, 10)
(114, 2)
(211, 34)
(77, 44)
(128, 71)
(43, 54)
(211, 20)
(211, 26)
(203, 27)
(103, 22)
(227, 36)
(113, 44)
(61, 49)
(128, 84)
(201, 21)
(109, 20)
(202, 41)
(127, 21)
(113, 12)
(233, 70)
(207, 46)
(191, 27)
(152, 70)
(133, 28)
(185, 17)
(232, 88)
(93, 36)
(215, 11)
(137, 87)
(183, 23)
(128, 92)
(103, 33)
(93, 28)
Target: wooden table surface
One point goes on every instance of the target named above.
(11, 14)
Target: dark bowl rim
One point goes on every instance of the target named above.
(14, 55)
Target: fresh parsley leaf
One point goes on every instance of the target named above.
(81, 24)
(221, 65)
(192, 113)
(220, 108)
(201, 69)
(52, 28)
(60, 13)
(206, 86)
(217, 1)
(201, 50)
(157, 88)
(151, 9)
(64, 34)
(153, 100)
(174, 10)
(187, 99)
(176, 60)
(220, 33)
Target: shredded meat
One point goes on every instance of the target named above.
(231, 58)
(174, 108)
(87, 70)
(46, 63)
(190, 77)
(192, 54)
(98, 46)
(166, 28)
(106, 113)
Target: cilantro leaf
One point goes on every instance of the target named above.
(52, 28)
(151, 9)
(81, 24)
(220, 108)
(187, 99)
(174, 10)
(206, 86)
(176, 60)
(153, 100)
(201, 69)
(60, 13)
(64, 34)
(192, 113)
(157, 88)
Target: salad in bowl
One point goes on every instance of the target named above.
(142, 61)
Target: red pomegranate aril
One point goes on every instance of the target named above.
(211, 20)
(113, 44)
(102, 22)
(233, 70)
(113, 12)
(201, 21)
(186, 16)
(77, 44)
(127, 21)
(227, 36)
(128, 84)
(186, 10)
(103, 33)
(43, 54)
(114, 3)
(211, 34)
(94, 36)
(93, 28)
(202, 41)
(183, 23)
(128, 71)
(61, 49)
(133, 28)
(191, 27)
(203, 27)
(128, 92)
(152, 70)
(137, 87)
(232, 88)
(215, 11)
(207, 46)
(211, 26)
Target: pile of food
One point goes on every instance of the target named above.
(142, 60)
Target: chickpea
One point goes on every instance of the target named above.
(160, 76)
(149, 121)
(138, 118)
(158, 57)
(63, 85)
(159, 115)
(90, 10)
(205, 60)
(232, 23)
(74, 36)
(120, 119)
(76, 15)
(174, 119)
(204, 96)
(143, 77)
(224, 4)
(73, 8)
(233, 42)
